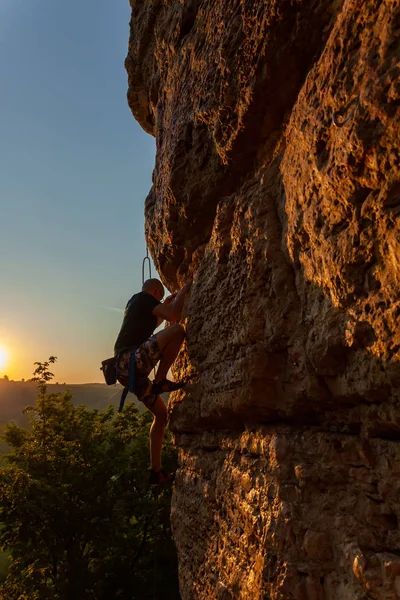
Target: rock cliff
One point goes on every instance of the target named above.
(277, 187)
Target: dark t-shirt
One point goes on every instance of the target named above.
(139, 322)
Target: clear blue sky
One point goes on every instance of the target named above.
(75, 171)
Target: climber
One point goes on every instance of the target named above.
(143, 313)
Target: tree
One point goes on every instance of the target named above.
(78, 518)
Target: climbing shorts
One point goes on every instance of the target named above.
(146, 358)
(147, 355)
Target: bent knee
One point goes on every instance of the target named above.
(160, 411)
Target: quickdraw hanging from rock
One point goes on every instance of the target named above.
(144, 264)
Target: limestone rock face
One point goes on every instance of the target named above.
(277, 187)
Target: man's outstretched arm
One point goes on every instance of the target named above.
(171, 310)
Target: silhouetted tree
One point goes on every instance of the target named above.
(78, 518)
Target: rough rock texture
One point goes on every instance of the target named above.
(277, 186)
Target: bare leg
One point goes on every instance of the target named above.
(157, 429)
(169, 341)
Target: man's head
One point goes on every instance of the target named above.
(155, 288)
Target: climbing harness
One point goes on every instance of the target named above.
(130, 387)
(337, 117)
(110, 372)
(146, 258)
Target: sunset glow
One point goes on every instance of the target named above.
(3, 358)
(53, 269)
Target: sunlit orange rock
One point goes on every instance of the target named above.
(277, 187)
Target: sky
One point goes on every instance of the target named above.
(75, 169)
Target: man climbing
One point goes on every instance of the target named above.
(143, 313)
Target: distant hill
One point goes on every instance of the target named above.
(16, 395)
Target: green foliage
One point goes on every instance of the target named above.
(4, 565)
(78, 517)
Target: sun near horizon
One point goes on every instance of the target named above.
(18, 365)
(3, 358)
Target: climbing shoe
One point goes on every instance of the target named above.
(160, 477)
(166, 386)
